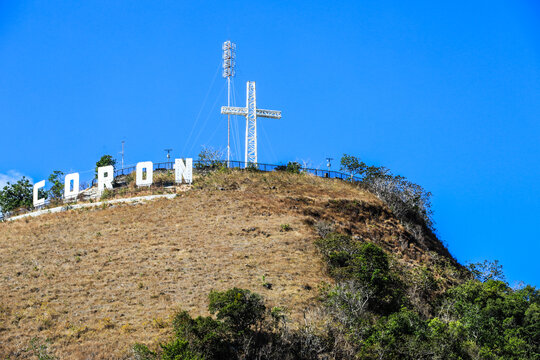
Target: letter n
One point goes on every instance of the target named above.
(183, 171)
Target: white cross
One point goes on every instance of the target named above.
(251, 113)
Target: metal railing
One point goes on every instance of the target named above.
(199, 165)
(272, 167)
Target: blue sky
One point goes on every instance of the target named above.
(444, 93)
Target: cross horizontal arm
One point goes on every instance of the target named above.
(242, 111)
(233, 110)
(274, 114)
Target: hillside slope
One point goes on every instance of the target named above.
(95, 281)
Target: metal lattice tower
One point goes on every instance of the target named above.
(228, 72)
(251, 113)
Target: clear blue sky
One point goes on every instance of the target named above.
(444, 93)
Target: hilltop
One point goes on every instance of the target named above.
(92, 282)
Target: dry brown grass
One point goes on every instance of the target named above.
(95, 281)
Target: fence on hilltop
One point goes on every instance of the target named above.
(234, 164)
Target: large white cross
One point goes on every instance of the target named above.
(251, 113)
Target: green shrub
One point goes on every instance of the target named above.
(141, 352)
(286, 227)
(107, 194)
(178, 349)
(239, 309)
(239, 313)
(251, 167)
(366, 264)
(39, 349)
(244, 329)
(17, 195)
(292, 167)
(496, 317)
(205, 335)
(57, 189)
(105, 160)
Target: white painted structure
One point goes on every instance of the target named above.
(251, 113)
(183, 173)
(105, 177)
(144, 168)
(37, 186)
(228, 72)
(71, 186)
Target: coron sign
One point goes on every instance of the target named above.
(144, 173)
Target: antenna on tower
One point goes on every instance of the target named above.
(328, 162)
(228, 71)
(168, 153)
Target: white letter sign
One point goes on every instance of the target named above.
(182, 170)
(37, 186)
(149, 167)
(105, 177)
(68, 192)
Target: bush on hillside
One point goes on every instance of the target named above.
(243, 329)
(324, 228)
(163, 178)
(481, 319)
(409, 202)
(17, 195)
(238, 309)
(292, 167)
(501, 322)
(105, 160)
(205, 335)
(210, 159)
(367, 266)
(56, 191)
(107, 194)
(252, 167)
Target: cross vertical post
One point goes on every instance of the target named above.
(251, 113)
(251, 124)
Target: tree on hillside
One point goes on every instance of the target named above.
(57, 189)
(16, 196)
(488, 270)
(352, 165)
(409, 202)
(105, 160)
(210, 158)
